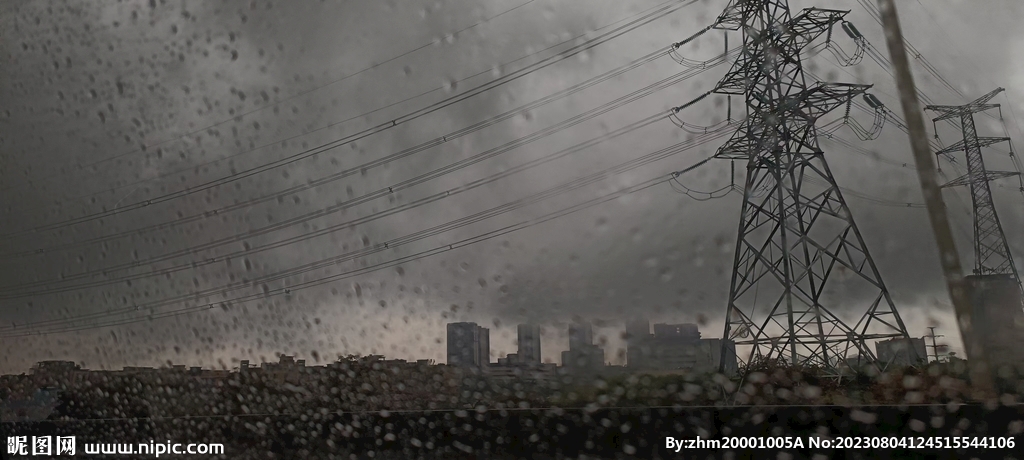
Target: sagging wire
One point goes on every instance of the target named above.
(715, 127)
(1013, 156)
(828, 129)
(867, 197)
(878, 110)
(874, 156)
(880, 116)
(697, 195)
(698, 129)
(693, 63)
(865, 134)
(843, 58)
(706, 64)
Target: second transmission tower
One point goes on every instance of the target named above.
(991, 251)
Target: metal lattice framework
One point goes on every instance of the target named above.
(991, 251)
(800, 258)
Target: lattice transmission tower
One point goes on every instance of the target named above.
(991, 251)
(800, 260)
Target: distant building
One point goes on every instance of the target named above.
(529, 344)
(57, 372)
(44, 367)
(638, 334)
(580, 335)
(585, 357)
(582, 353)
(901, 352)
(287, 369)
(469, 345)
(638, 330)
(129, 370)
(510, 359)
(536, 372)
(677, 347)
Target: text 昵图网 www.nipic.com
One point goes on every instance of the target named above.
(66, 446)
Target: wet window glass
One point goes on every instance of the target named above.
(511, 229)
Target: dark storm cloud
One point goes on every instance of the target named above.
(102, 80)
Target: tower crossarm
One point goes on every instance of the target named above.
(988, 176)
(812, 23)
(743, 143)
(732, 16)
(823, 98)
(808, 106)
(792, 36)
(960, 146)
(980, 104)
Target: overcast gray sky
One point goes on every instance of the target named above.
(88, 85)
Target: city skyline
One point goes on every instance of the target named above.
(498, 356)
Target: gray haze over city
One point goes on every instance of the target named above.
(86, 85)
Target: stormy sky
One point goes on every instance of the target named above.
(108, 108)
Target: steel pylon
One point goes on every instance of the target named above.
(801, 264)
(991, 251)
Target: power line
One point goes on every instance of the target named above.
(902, 126)
(359, 271)
(942, 151)
(342, 225)
(925, 64)
(237, 117)
(654, 156)
(383, 192)
(358, 169)
(362, 115)
(235, 176)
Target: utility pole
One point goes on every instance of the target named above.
(935, 347)
(799, 233)
(981, 378)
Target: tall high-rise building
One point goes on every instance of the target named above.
(469, 345)
(529, 344)
(638, 329)
(638, 334)
(580, 335)
(582, 353)
(484, 346)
